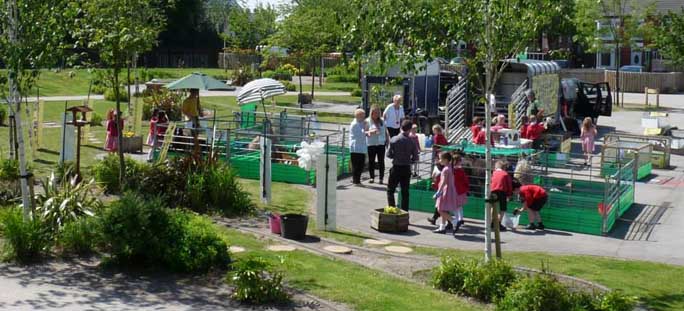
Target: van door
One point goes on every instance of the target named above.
(604, 105)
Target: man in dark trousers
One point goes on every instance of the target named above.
(403, 152)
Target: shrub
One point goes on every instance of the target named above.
(9, 169)
(64, 201)
(289, 68)
(343, 78)
(243, 76)
(201, 246)
(25, 241)
(614, 301)
(484, 281)
(290, 87)
(106, 173)
(216, 189)
(356, 92)
(144, 232)
(277, 75)
(111, 96)
(10, 192)
(255, 283)
(539, 293)
(96, 120)
(204, 187)
(164, 99)
(80, 237)
(98, 89)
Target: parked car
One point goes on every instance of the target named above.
(632, 68)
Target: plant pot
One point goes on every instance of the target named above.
(391, 223)
(274, 223)
(293, 226)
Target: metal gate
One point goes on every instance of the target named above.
(520, 103)
(455, 112)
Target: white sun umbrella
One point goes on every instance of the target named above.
(260, 89)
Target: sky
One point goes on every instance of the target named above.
(252, 3)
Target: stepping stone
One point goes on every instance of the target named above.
(281, 248)
(236, 249)
(398, 249)
(379, 242)
(338, 249)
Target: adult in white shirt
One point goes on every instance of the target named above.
(393, 116)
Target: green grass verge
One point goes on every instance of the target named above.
(77, 81)
(359, 287)
(657, 285)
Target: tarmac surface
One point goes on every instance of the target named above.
(651, 230)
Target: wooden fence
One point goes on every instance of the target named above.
(632, 82)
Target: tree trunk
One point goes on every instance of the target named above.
(299, 69)
(488, 148)
(320, 79)
(117, 119)
(313, 77)
(14, 98)
(128, 83)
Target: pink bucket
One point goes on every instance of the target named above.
(274, 223)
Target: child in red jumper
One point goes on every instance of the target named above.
(476, 128)
(462, 187)
(524, 126)
(501, 189)
(534, 198)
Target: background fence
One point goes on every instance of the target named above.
(633, 82)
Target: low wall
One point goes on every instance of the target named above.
(633, 82)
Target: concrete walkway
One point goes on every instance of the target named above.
(658, 238)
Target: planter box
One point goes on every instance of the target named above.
(132, 144)
(389, 222)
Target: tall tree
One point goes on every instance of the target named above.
(409, 32)
(249, 28)
(218, 11)
(669, 37)
(32, 33)
(311, 28)
(620, 22)
(117, 30)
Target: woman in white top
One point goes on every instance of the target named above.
(358, 130)
(376, 140)
(393, 116)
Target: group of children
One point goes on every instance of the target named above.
(530, 129)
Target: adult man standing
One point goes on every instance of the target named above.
(393, 116)
(191, 108)
(403, 152)
(535, 106)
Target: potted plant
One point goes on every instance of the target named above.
(389, 219)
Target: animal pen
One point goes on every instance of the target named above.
(235, 139)
(660, 153)
(617, 153)
(581, 198)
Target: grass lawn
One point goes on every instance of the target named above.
(658, 285)
(77, 81)
(327, 86)
(357, 286)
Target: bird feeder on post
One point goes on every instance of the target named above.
(79, 124)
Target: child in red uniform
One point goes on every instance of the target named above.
(534, 131)
(462, 187)
(501, 189)
(534, 198)
(476, 128)
(524, 126)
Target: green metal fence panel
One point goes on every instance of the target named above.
(576, 211)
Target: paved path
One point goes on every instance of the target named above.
(664, 244)
(82, 285)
